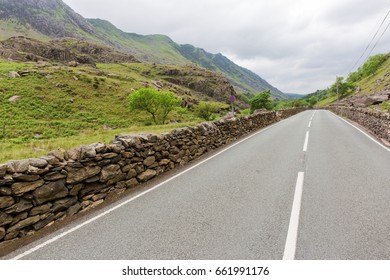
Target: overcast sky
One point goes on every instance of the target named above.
(298, 46)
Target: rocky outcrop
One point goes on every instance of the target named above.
(36, 192)
(204, 81)
(71, 51)
(376, 122)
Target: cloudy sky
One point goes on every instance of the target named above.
(298, 46)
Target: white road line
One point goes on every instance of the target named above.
(309, 124)
(291, 241)
(369, 136)
(306, 141)
(55, 238)
(312, 116)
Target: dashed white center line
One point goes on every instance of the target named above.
(309, 124)
(291, 241)
(306, 141)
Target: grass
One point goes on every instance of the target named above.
(63, 107)
(37, 148)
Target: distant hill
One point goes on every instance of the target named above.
(49, 19)
(294, 95)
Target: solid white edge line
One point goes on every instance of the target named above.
(292, 234)
(55, 238)
(306, 141)
(369, 136)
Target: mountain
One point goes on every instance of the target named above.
(294, 95)
(49, 19)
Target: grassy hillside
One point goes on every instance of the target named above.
(372, 78)
(77, 105)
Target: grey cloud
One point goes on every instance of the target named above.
(298, 46)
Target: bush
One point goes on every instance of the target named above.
(207, 110)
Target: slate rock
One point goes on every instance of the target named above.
(147, 175)
(23, 187)
(6, 201)
(76, 175)
(24, 223)
(50, 191)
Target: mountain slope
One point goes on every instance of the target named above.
(49, 19)
(161, 49)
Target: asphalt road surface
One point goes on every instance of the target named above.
(309, 187)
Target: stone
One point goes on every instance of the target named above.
(149, 161)
(11, 235)
(7, 180)
(23, 187)
(75, 189)
(74, 154)
(2, 233)
(38, 162)
(3, 169)
(44, 222)
(6, 201)
(19, 207)
(54, 176)
(133, 182)
(19, 217)
(24, 223)
(87, 152)
(131, 174)
(147, 175)
(25, 177)
(109, 172)
(57, 154)
(116, 179)
(63, 204)
(99, 196)
(19, 166)
(91, 188)
(50, 191)
(76, 175)
(73, 210)
(5, 219)
(14, 74)
(164, 162)
(39, 210)
(6, 191)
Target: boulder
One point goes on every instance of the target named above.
(14, 74)
(14, 99)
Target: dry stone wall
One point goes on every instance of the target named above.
(34, 193)
(376, 122)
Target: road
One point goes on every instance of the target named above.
(309, 187)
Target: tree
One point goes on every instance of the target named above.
(260, 101)
(157, 104)
(313, 100)
(341, 88)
